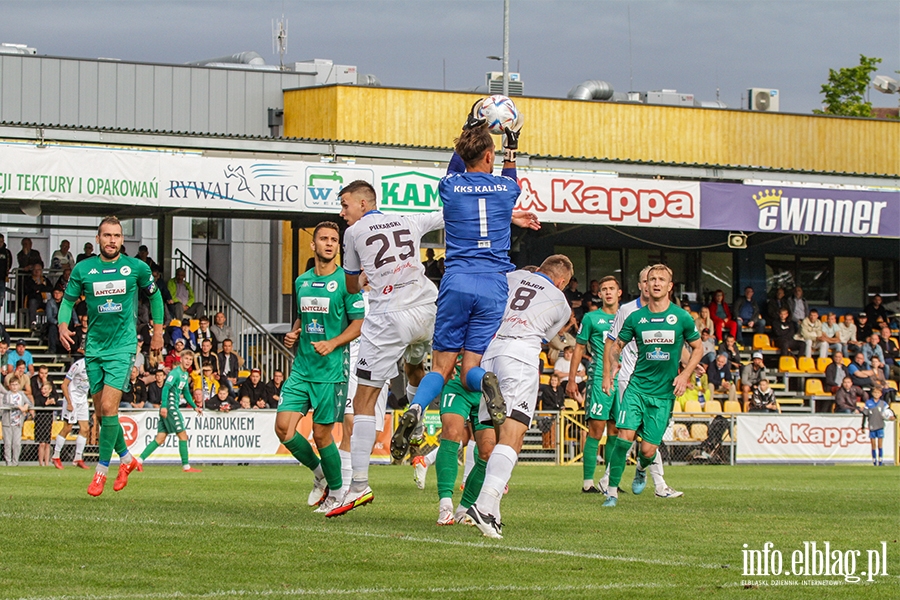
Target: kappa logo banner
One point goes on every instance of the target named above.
(806, 438)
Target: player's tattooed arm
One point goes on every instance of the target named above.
(326, 347)
(290, 338)
(611, 352)
(681, 381)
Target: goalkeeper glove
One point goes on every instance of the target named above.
(473, 119)
(510, 144)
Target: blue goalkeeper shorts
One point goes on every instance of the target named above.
(469, 311)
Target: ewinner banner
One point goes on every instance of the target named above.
(241, 436)
(807, 438)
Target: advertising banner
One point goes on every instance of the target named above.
(736, 207)
(807, 438)
(242, 436)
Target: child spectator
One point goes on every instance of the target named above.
(15, 406)
(874, 412)
(222, 401)
(762, 400)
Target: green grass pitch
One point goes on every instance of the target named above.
(246, 532)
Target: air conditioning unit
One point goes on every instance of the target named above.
(763, 100)
(494, 81)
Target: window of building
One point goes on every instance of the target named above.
(848, 281)
(716, 273)
(881, 279)
(604, 262)
(208, 229)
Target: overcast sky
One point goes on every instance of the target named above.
(692, 46)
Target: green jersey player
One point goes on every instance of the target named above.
(329, 318)
(110, 284)
(598, 406)
(660, 329)
(176, 387)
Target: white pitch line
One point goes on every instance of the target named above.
(357, 591)
(365, 534)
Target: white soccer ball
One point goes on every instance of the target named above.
(500, 113)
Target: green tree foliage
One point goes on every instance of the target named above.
(846, 89)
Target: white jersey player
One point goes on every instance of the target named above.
(625, 367)
(76, 389)
(400, 321)
(536, 310)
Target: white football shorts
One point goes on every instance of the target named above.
(79, 412)
(519, 383)
(387, 337)
(380, 404)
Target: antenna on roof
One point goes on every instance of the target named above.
(279, 39)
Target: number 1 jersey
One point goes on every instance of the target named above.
(386, 247)
(536, 310)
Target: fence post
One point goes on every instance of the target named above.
(731, 423)
(559, 439)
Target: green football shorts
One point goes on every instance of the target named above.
(597, 405)
(327, 400)
(457, 400)
(113, 370)
(646, 415)
(172, 423)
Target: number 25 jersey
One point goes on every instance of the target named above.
(386, 247)
(536, 310)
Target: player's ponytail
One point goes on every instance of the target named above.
(473, 143)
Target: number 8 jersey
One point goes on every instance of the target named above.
(386, 247)
(536, 310)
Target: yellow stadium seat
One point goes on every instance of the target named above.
(732, 406)
(822, 364)
(545, 379)
(814, 387)
(243, 374)
(571, 404)
(676, 406)
(787, 364)
(846, 361)
(698, 432)
(761, 342)
(713, 406)
(806, 365)
(695, 315)
(693, 406)
(195, 325)
(892, 384)
(895, 406)
(726, 437)
(28, 430)
(174, 323)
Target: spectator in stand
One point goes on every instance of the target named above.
(709, 347)
(696, 389)
(864, 328)
(21, 375)
(846, 397)
(564, 338)
(561, 368)
(784, 332)
(253, 390)
(891, 353)
(136, 397)
(63, 279)
(552, 395)
(721, 316)
(751, 376)
(205, 383)
(14, 409)
(38, 380)
(205, 333)
(221, 330)
(173, 358)
(273, 389)
(206, 357)
(575, 298)
(848, 335)
(433, 268)
(860, 372)
(245, 402)
(164, 291)
(80, 337)
(28, 257)
(45, 400)
(52, 312)
(37, 289)
(154, 389)
(6, 263)
(182, 302)
(774, 306)
(185, 334)
(222, 401)
(762, 400)
(20, 353)
(879, 379)
(144, 255)
(88, 252)
(831, 333)
(703, 321)
(62, 258)
(6, 366)
(592, 296)
(229, 366)
(811, 332)
(872, 348)
(747, 312)
(719, 377)
(835, 372)
(730, 349)
(798, 305)
(876, 312)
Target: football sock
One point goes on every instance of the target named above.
(617, 465)
(589, 460)
(411, 391)
(151, 447)
(471, 453)
(60, 442)
(881, 455)
(874, 457)
(361, 443)
(645, 462)
(346, 470)
(447, 468)
(80, 443)
(121, 447)
(474, 483)
(429, 388)
(183, 453)
(496, 476)
(473, 379)
(331, 466)
(607, 455)
(302, 451)
(431, 457)
(109, 432)
(656, 471)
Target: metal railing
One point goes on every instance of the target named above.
(12, 307)
(259, 348)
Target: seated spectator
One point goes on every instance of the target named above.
(253, 390)
(552, 396)
(784, 332)
(154, 389)
(720, 313)
(37, 289)
(205, 333)
(762, 399)
(136, 397)
(831, 333)
(811, 332)
(720, 379)
(878, 379)
(20, 353)
(799, 307)
(846, 397)
(20, 374)
(704, 322)
(747, 314)
(891, 354)
(79, 338)
(144, 255)
(88, 252)
(173, 358)
(6, 367)
(696, 389)
(229, 365)
(221, 330)
(847, 332)
(185, 334)
(774, 306)
(864, 327)
(273, 389)
(182, 297)
(709, 347)
(222, 401)
(860, 372)
(207, 357)
(751, 376)
(63, 280)
(561, 369)
(205, 383)
(559, 342)
(729, 347)
(876, 312)
(575, 298)
(62, 258)
(835, 372)
(872, 349)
